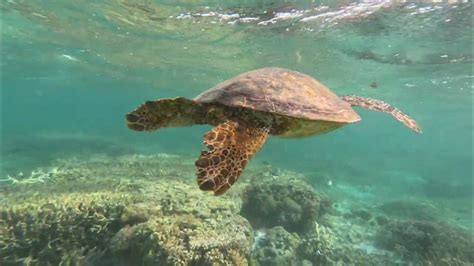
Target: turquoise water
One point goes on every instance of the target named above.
(70, 71)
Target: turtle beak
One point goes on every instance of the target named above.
(136, 127)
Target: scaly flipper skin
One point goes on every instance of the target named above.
(381, 106)
(231, 145)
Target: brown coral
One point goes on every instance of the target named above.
(293, 205)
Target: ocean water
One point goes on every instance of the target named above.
(71, 70)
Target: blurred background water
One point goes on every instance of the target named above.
(71, 70)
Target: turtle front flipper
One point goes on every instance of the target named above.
(230, 146)
(381, 106)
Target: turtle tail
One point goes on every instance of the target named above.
(381, 106)
(168, 112)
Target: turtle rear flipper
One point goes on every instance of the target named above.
(230, 146)
(381, 106)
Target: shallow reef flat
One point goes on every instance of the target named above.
(147, 210)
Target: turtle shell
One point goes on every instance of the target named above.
(281, 91)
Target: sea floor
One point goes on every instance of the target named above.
(148, 210)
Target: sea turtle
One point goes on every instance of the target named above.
(248, 108)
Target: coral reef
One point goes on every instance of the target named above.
(339, 245)
(87, 211)
(323, 245)
(147, 210)
(409, 209)
(185, 240)
(68, 228)
(318, 247)
(323, 236)
(427, 242)
(290, 203)
(276, 247)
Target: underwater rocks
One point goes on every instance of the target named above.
(293, 205)
(427, 242)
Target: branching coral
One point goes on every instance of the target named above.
(38, 176)
(68, 228)
(95, 213)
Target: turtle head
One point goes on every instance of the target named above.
(152, 115)
(141, 120)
